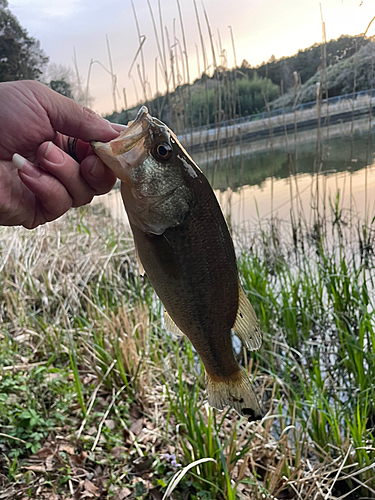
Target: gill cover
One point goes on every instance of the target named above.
(152, 185)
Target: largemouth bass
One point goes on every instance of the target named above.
(186, 250)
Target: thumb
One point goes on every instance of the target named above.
(72, 119)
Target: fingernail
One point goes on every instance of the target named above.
(25, 166)
(97, 170)
(53, 154)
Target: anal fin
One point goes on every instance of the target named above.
(246, 325)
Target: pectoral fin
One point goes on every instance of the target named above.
(246, 325)
(141, 269)
(170, 325)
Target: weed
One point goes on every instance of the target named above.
(90, 383)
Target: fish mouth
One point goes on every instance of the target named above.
(130, 148)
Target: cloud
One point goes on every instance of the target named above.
(53, 9)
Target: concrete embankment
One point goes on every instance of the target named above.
(276, 127)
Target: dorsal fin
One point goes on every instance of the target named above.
(246, 325)
(170, 325)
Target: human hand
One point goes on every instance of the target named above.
(44, 181)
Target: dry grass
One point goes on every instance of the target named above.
(78, 322)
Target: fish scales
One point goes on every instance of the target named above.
(185, 247)
(198, 279)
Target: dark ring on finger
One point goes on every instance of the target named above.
(72, 148)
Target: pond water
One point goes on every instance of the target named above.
(259, 181)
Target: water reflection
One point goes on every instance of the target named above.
(298, 193)
(274, 182)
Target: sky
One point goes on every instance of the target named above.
(261, 28)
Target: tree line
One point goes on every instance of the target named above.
(341, 65)
(246, 90)
(21, 57)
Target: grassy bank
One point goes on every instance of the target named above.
(97, 401)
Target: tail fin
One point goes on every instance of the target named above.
(236, 392)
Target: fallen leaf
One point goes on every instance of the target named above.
(8, 493)
(111, 424)
(150, 425)
(98, 471)
(137, 426)
(90, 487)
(135, 412)
(155, 494)
(118, 451)
(44, 452)
(78, 460)
(142, 464)
(67, 448)
(124, 493)
(35, 468)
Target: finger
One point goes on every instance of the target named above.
(53, 198)
(74, 147)
(97, 175)
(70, 118)
(119, 127)
(62, 166)
(77, 148)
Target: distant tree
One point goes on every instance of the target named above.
(353, 71)
(308, 61)
(245, 64)
(253, 94)
(20, 55)
(344, 47)
(65, 80)
(62, 87)
(347, 57)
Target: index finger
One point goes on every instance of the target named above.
(77, 148)
(70, 118)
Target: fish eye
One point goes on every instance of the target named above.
(162, 151)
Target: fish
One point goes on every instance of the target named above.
(185, 248)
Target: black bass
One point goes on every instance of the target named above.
(186, 250)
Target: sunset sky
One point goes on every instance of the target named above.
(261, 28)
